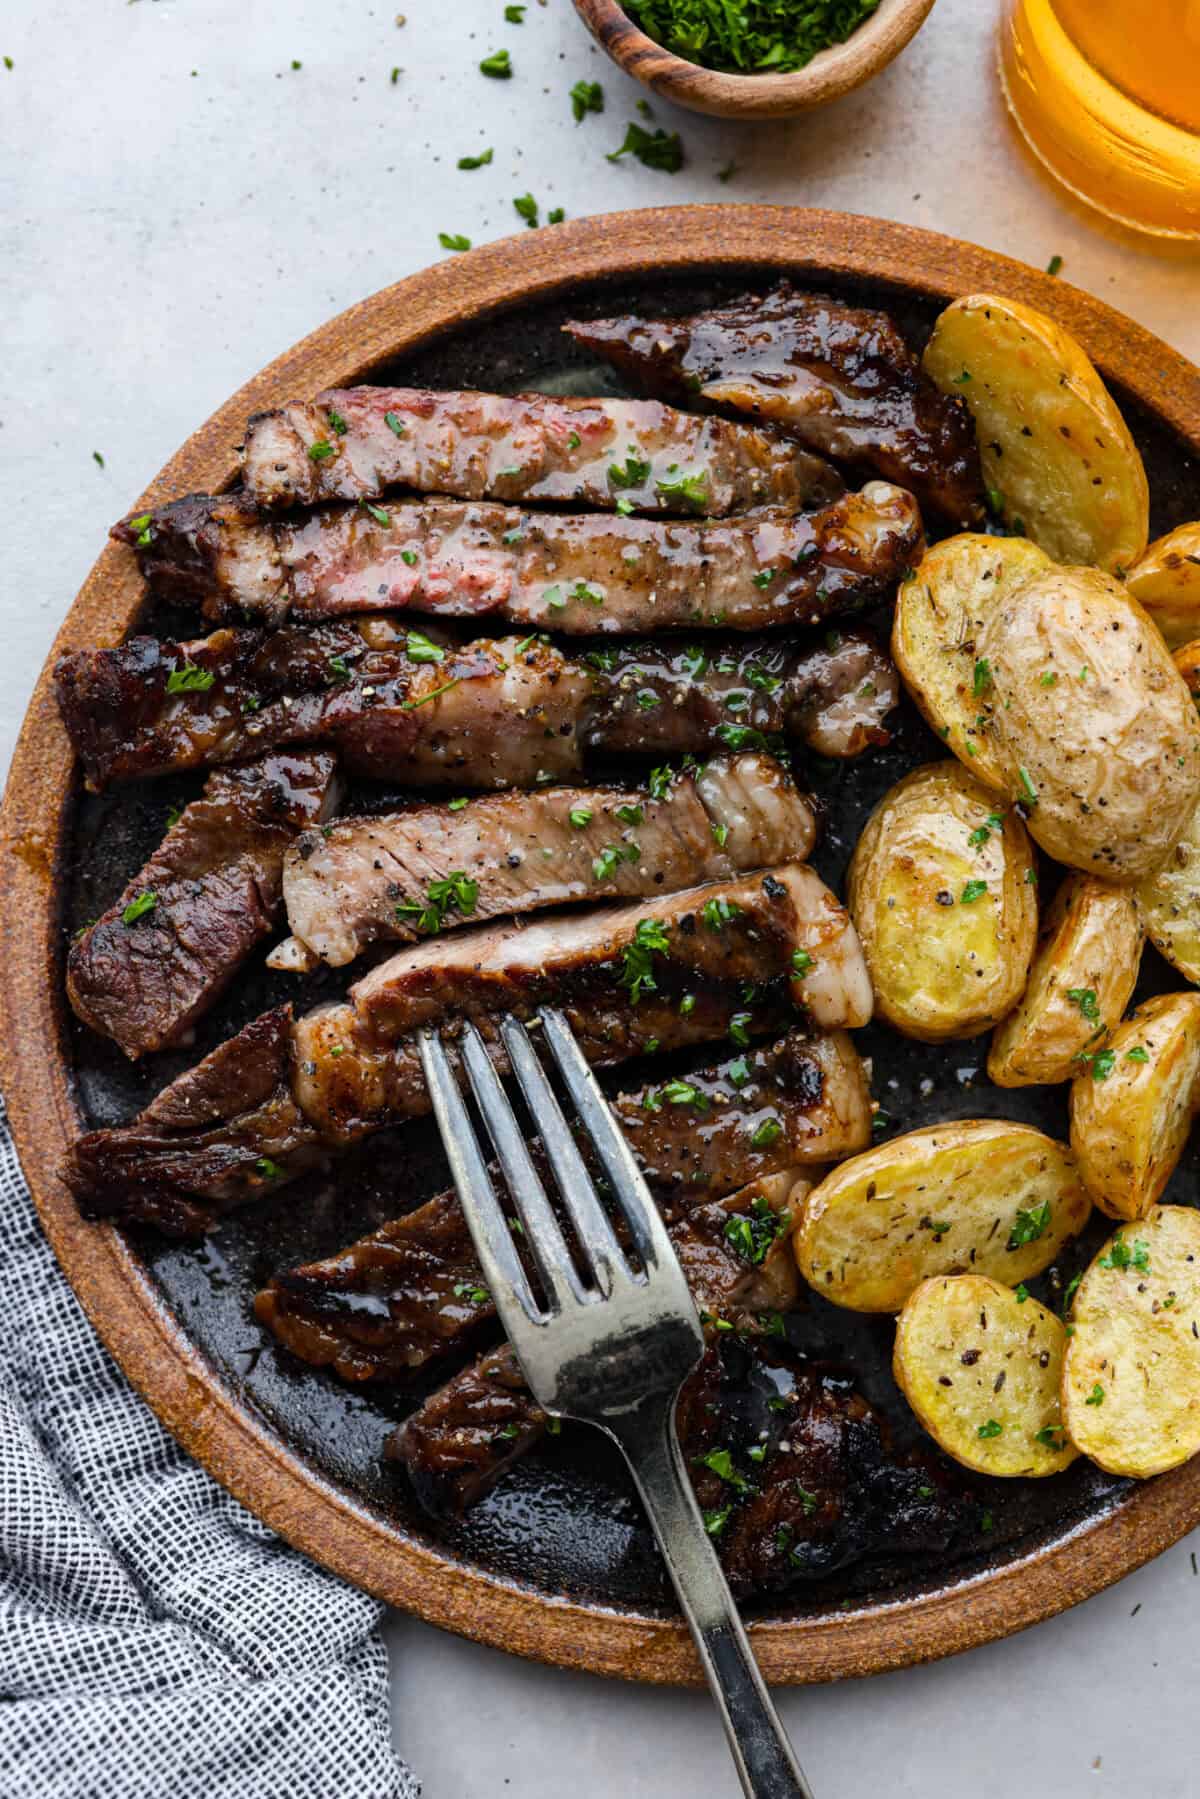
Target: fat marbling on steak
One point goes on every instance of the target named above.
(418, 708)
(840, 379)
(358, 443)
(362, 879)
(654, 975)
(585, 574)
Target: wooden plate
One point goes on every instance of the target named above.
(558, 1565)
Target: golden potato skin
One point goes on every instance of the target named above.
(1053, 445)
(1097, 731)
(943, 965)
(1187, 661)
(1131, 1374)
(1166, 581)
(1082, 979)
(1128, 1129)
(940, 609)
(982, 1370)
(1168, 903)
(942, 1200)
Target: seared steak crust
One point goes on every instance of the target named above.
(584, 574)
(840, 379)
(358, 443)
(492, 713)
(164, 952)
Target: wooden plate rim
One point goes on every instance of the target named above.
(216, 1426)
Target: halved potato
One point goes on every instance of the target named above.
(1166, 581)
(1083, 976)
(1054, 448)
(941, 892)
(982, 1370)
(940, 609)
(1168, 903)
(1132, 1105)
(1131, 1374)
(1092, 722)
(981, 1196)
(1187, 661)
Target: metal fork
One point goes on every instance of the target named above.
(612, 1351)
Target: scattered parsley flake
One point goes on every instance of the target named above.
(475, 162)
(190, 679)
(586, 96)
(1029, 1225)
(498, 65)
(139, 907)
(656, 149)
(453, 240)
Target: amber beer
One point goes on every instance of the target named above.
(1107, 94)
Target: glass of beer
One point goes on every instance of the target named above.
(1107, 95)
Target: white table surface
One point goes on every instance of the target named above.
(177, 205)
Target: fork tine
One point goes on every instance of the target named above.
(489, 1233)
(578, 1190)
(546, 1242)
(643, 1216)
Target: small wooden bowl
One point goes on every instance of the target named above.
(830, 74)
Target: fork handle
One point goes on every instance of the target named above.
(765, 1761)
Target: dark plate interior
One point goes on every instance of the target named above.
(565, 1521)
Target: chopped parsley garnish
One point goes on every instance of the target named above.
(526, 207)
(139, 907)
(742, 737)
(1050, 1438)
(475, 162)
(646, 699)
(409, 558)
(1027, 786)
(972, 891)
(395, 423)
(556, 215)
(660, 781)
(267, 1167)
(1096, 1396)
(761, 680)
(720, 1462)
(630, 473)
(1022, 1293)
(190, 679)
(611, 857)
(1085, 999)
(498, 65)
(637, 966)
(657, 149)
(515, 15)
(339, 667)
(717, 913)
(1029, 1225)
(378, 513)
(767, 36)
(715, 1519)
(983, 677)
(337, 423)
(738, 1030)
(631, 815)
(992, 1428)
(693, 488)
(766, 1133)
(453, 240)
(739, 1073)
(458, 804)
(478, 1296)
(764, 577)
(457, 893)
(1054, 266)
(1137, 1054)
(1120, 1256)
(580, 817)
(751, 1234)
(586, 96)
(589, 594)
(982, 833)
(419, 648)
(1102, 1062)
(321, 450)
(142, 526)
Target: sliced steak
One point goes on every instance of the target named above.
(358, 443)
(155, 962)
(409, 708)
(840, 379)
(364, 879)
(584, 574)
(345, 1070)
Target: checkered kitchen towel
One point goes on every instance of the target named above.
(156, 1641)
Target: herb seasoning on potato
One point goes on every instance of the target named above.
(1132, 1104)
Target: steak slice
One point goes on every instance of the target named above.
(345, 1070)
(840, 379)
(494, 713)
(413, 1289)
(358, 443)
(583, 573)
(459, 1442)
(162, 954)
(363, 879)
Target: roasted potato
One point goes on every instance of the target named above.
(1131, 1374)
(1168, 903)
(1132, 1104)
(1057, 455)
(982, 1369)
(1166, 581)
(940, 609)
(941, 891)
(981, 1197)
(1082, 978)
(1187, 661)
(1092, 722)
